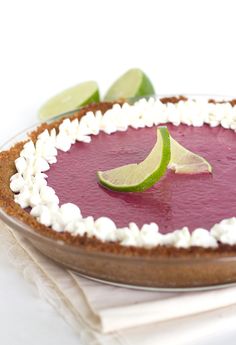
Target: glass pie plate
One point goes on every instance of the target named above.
(162, 273)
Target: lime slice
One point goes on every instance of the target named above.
(183, 161)
(134, 83)
(70, 99)
(140, 176)
(167, 153)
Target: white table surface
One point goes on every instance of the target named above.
(46, 46)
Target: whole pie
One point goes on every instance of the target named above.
(181, 232)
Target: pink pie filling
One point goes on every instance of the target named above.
(175, 201)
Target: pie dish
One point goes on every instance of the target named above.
(118, 239)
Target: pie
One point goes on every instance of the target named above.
(181, 232)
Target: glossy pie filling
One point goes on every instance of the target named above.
(196, 201)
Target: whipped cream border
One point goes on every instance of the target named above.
(30, 182)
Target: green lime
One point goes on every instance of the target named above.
(183, 161)
(140, 176)
(70, 99)
(167, 153)
(134, 83)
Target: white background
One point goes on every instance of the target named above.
(47, 45)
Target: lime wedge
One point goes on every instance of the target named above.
(134, 83)
(70, 99)
(140, 176)
(183, 161)
(167, 153)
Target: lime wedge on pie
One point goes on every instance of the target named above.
(139, 177)
(184, 161)
(70, 99)
(167, 152)
(134, 83)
